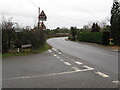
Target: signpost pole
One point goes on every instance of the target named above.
(42, 17)
(38, 17)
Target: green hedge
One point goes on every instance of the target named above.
(94, 37)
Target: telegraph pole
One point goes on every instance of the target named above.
(38, 17)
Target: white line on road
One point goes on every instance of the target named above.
(87, 67)
(116, 82)
(57, 51)
(54, 55)
(102, 74)
(76, 69)
(67, 63)
(15, 78)
(49, 51)
(54, 49)
(83, 70)
(78, 62)
(25, 77)
(37, 76)
(52, 74)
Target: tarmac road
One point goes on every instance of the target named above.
(102, 57)
(56, 69)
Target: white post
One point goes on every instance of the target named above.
(18, 50)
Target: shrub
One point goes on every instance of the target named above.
(94, 37)
(72, 33)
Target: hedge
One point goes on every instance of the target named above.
(94, 37)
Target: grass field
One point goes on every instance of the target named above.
(28, 51)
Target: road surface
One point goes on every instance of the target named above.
(57, 68)
(104, 58)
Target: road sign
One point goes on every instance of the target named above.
(43, 25)
(42, 16)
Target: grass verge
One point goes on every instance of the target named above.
(33, 51)
(44, 48)
(0, 55)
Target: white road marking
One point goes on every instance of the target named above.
(78, 62)
(76, 69)
(52, 74)
(116, 82)
(25, 77)
(67, 63)
(55, 55)
(87, 67)
(36, 76)
(54, 49)
(22, 77)
(59, 53)
(49, 51)
(102, 74)
(84, 70)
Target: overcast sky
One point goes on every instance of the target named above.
(60, 13)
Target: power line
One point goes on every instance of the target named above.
(35, 6)
(33, 3)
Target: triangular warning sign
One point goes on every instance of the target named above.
(42, 14)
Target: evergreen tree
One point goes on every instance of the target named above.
(72, 33)
(95, 28)
(115, 22)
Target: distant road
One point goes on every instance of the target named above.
(102, 57)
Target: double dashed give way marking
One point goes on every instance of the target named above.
(77, 69)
